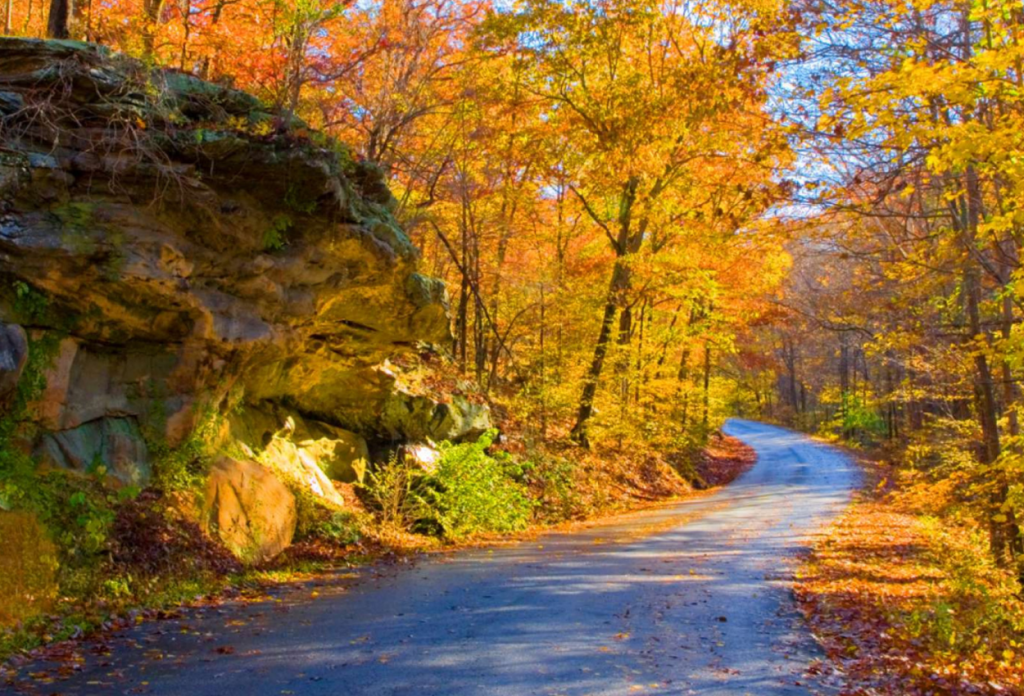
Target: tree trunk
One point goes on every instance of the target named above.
(586, 409)
(578, 434)
(707, 385)
(296, 59)
(57, 24)
(543, 385)
(1001, 532)
(626, 244)
(151, 15)
(844, 383)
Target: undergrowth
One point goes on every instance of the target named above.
(906, 598)
(466, 491)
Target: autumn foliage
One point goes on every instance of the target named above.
(652, 214)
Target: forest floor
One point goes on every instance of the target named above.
(684, 597)
(905, 603)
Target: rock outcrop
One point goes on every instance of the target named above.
(172, 251)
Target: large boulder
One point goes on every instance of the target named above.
(282, 436)
(408, 416)
(249, 508)
(295, 463)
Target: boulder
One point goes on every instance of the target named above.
(13, 357)
(343, 455)
(249, 508)
(296, 463)
(293, 442)
(423, 456)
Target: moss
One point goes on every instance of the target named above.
(297, 200)
(30, 305)
(186, 466)
(28, 565)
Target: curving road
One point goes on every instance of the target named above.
(690, 598)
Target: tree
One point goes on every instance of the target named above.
(57, 23)
(660, 100)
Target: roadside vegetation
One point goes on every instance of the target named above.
(906, 598)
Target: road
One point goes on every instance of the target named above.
(689, 598)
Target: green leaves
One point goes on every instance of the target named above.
(470, 491)
(467, 491)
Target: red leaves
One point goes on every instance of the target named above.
(723, 460)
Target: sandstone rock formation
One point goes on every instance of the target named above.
(174, 253)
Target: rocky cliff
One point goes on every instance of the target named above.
(183, 271)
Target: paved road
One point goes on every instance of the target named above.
(686, 599)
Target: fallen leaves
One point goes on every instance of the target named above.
(880, 600)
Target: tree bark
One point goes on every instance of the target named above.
(151, 15)
(1001, 531)
(707, 387)
(57, 24)
(579, 434)
(627, 243)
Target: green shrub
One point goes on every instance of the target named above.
(337, 527)
(553, 479)
(275, 236)
(186, 466)
(470, 492)
(388, 491)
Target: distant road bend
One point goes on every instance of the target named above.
(690, 598)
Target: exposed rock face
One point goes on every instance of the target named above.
(13, 356)
(419, 418)
(113, 443)
(249, 508)
(290, 441)
(183, 252)
(199, 260)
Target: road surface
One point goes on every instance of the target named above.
(690, 598)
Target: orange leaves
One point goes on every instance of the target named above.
(886, 605)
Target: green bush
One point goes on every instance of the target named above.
(467, 492)
(553, 479)
(388, 490)
(186, 466)
(470, 491)
(338, 527)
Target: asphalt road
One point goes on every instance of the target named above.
(690, 598)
